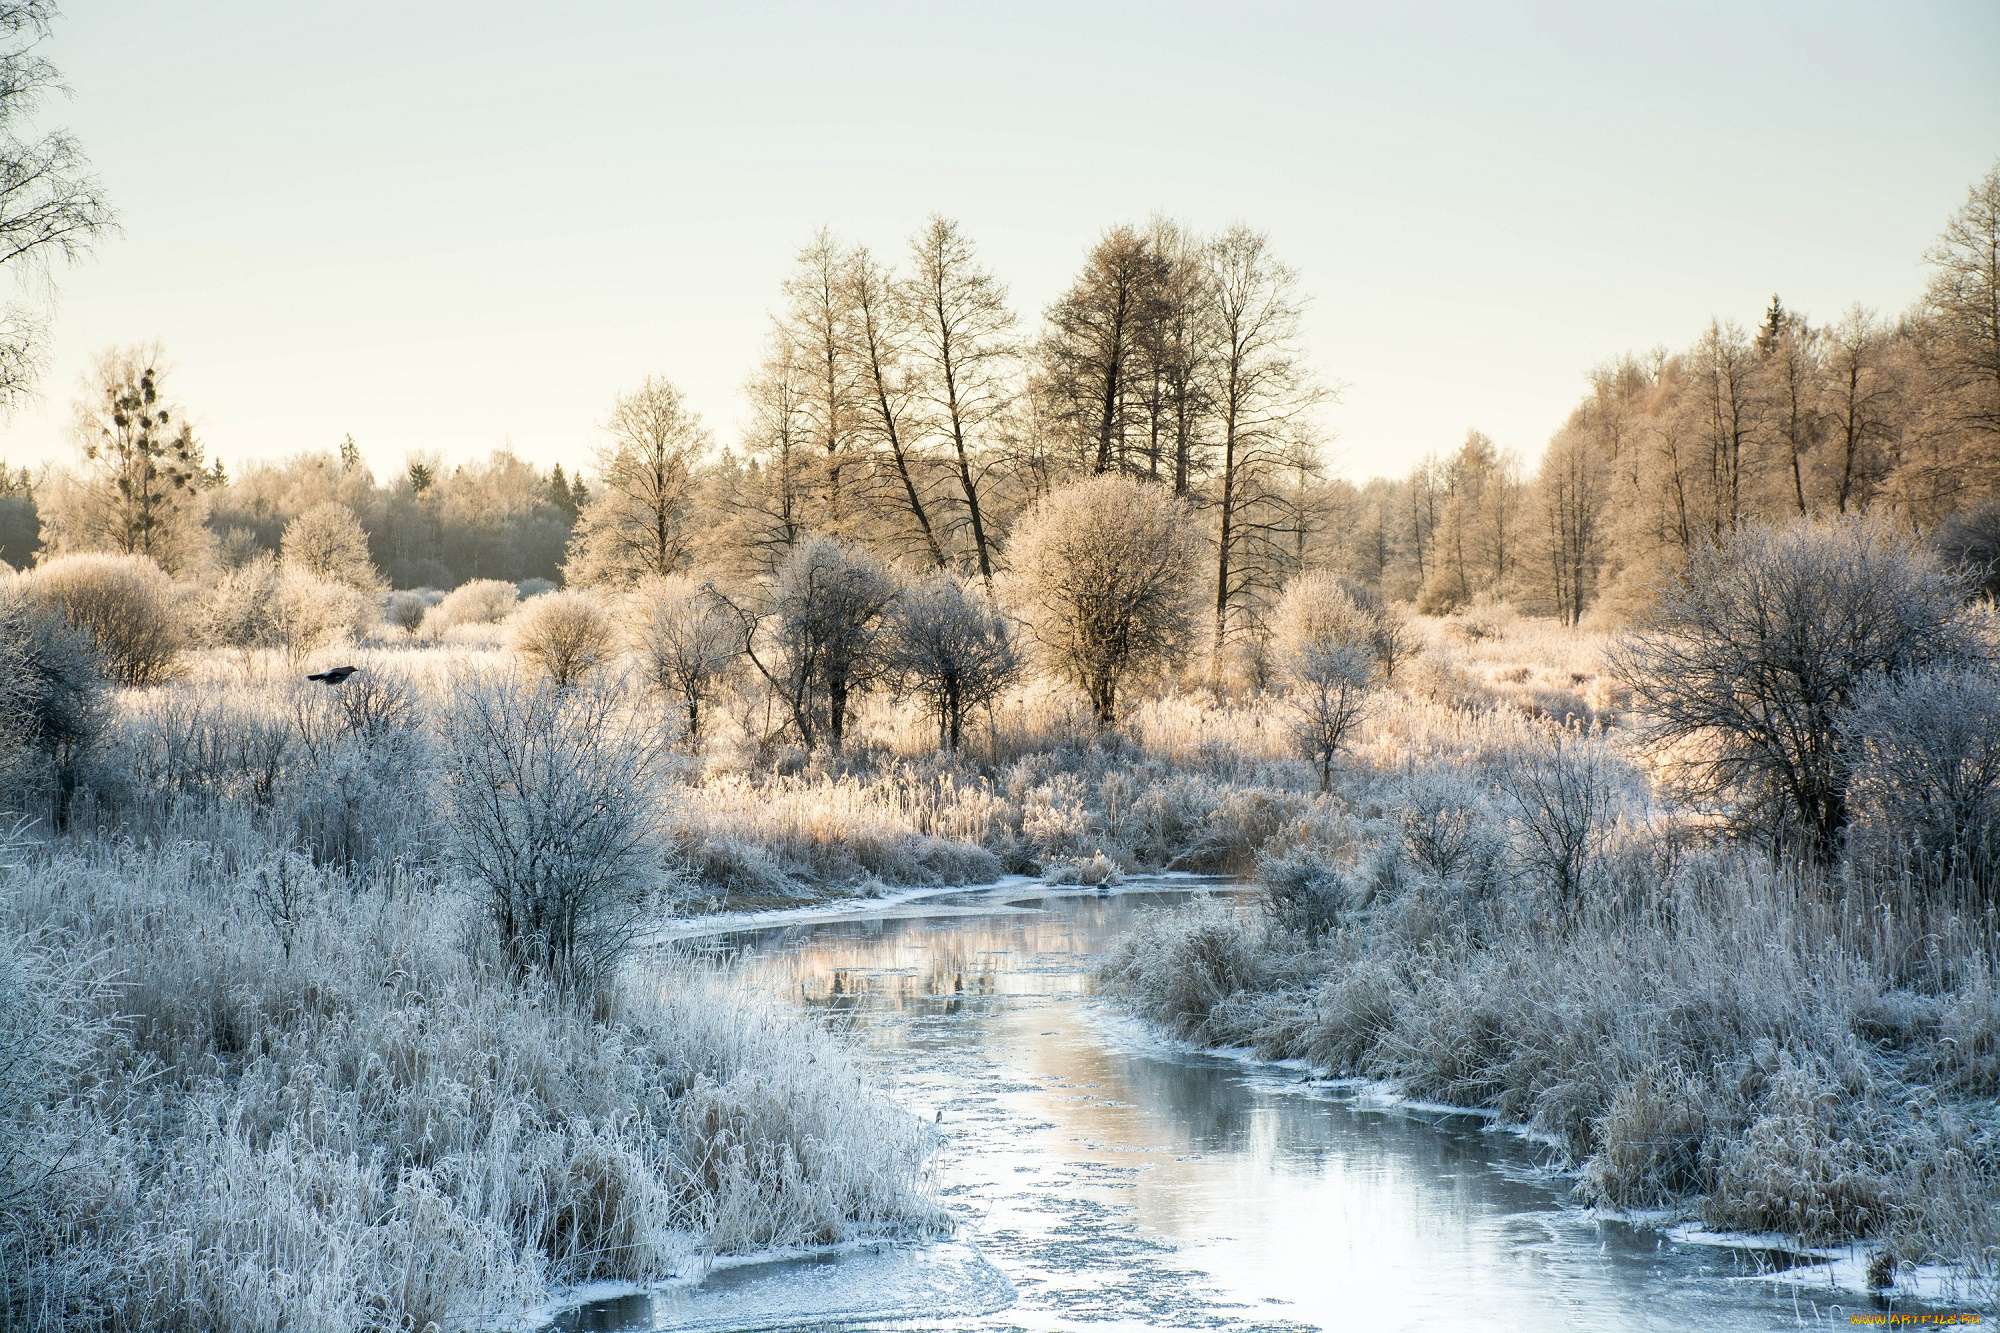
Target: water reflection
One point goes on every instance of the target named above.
(1121, 1184)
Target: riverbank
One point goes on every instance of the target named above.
(364, 1119)
(1699, 1043)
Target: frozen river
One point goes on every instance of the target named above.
(1107, 1181)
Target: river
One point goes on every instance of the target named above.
(1107, 1180)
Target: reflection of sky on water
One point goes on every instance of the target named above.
(1121, 1184)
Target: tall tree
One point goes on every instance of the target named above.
(51, 207)
(878, 338)
(1262, 393)
(1964, 296)
(634, 525)
(815, 322)
(143, 464)
(1091, 349)
(1857, 397)
(963, 338)
(1790, 352)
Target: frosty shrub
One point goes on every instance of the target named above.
(480, 602)
(1926, 778)
(242, 609)
(1746, 662)
(1327, 659)
(687, 641)
(950, 648)
(1970, 539)
(327, 543)
(821, 644)
(126, 603)
(1104, 574)
(407, 607)
(51, 698)
(309, 614)
(554, 812)
(565, 636)
(1562, 807)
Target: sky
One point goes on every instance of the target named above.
(454, 227)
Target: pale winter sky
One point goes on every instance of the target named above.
(452, 226)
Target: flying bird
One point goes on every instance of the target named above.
(335, 676)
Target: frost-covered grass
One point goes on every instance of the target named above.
(1688, 1030)
(360, 1118)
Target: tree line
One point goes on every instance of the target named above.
(905, 410)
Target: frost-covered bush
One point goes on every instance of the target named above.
(1926, 781)
(51, 700)
(326, 543)
(951, 649)
(406, 607)
(1562, 803)
(554, 799)
(127, 604)
(565, 636)
(480, 602)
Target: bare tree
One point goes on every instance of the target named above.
(816, 641)
(688, 640)
(1090, 352)
(1857, 396)
(1104, 574)
(1750, 657)
(878, 344)
(555, 809)
(1964, 297)
(1562, 802)
(51, 208)
(1261, 393)
(1790, 349)
(816, 324)
(1926, 781)
(950, 647)
(963, 337)
(1569, 490)
(634, 523)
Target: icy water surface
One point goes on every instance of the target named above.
(1107, 1181)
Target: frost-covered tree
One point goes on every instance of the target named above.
(326, 543)
(128, 606)
(817, 641)
(948, 646)
(1327, 657)
(565, 636)
(634, 523)
(1748, 660)
(1104, 575)
(688, 640)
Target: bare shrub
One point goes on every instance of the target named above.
(555, 812)
(126, 603)
(1445, 825)
(1304, 891)
(242, 608)
(1749, 658)
(948, 646)
(1926, 776)
(687, 640)
(480, 602)
(1562, 806)
(1104, 573)
(1970, 539)
(565, 636)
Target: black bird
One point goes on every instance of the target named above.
(335, 676)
